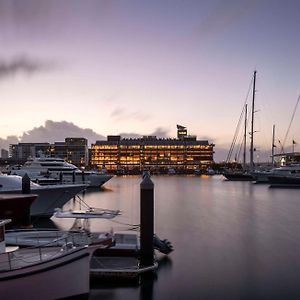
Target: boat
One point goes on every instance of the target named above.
(122, 260)
(285, 176)
(90, 213)
(290, 171)
(238, 175)
(47, 170)
(244, 174)
(37, 237)
(285, 181)
(171, 171)
(49, 198)
(43, 272)
(17, 208)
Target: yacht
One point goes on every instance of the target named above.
(43, 272)
(275, 174)
(53, 169)
(49, 198)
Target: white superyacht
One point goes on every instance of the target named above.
(43, 168)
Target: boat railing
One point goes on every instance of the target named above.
(41, 239)
(19, 258)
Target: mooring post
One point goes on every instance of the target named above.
(147, 221)
(25, 184)
(26, 220)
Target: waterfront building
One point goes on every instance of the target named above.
(73, 150)
(184, 154)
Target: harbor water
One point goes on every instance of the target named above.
(232, 240)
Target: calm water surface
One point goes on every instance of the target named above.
(232, 240)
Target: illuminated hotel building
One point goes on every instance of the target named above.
(183, 154)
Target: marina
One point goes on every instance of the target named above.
(230, 238)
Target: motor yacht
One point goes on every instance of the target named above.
(53, 169)
(292, 170)
(49, 198)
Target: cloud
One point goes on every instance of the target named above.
(4, 143)
(57, 131)
(158, 132)
(24, 65)
(119, 114)
(53, 131)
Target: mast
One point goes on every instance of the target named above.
(245, 138)
(252, 125)
(273, 144)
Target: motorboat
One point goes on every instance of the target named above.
(90, 213)
(49, 237)
(53, 169)
(122, 260)
(43, 272)
(289, 181)
(292, 171)
(49, 198)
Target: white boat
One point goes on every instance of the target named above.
(52, 168)
(50, 237)
(91, 213)
(49, 198)
(263, 176)
(43, 272)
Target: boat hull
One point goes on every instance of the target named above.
(62, 277)
(284, 181)
(238, 176)
(49, 197)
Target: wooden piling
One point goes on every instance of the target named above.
(25, 184)
(26, 189)
(147, 221)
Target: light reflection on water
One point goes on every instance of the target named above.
(232, 240)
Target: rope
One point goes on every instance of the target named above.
(238, 125)
(293, 115)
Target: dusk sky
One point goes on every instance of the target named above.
(141, 67)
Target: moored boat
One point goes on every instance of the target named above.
(43, 272)
(49, 198)
(46, 170)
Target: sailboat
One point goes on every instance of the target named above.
(244, 174)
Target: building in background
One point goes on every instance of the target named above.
(22, 151)
(4, 153)
(73, 150)
(184, 154)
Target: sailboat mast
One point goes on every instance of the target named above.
(252, 125)
(273, 145)
(245, 138)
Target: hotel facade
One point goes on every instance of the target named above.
(184, 154)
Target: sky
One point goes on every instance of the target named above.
(99, 67)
